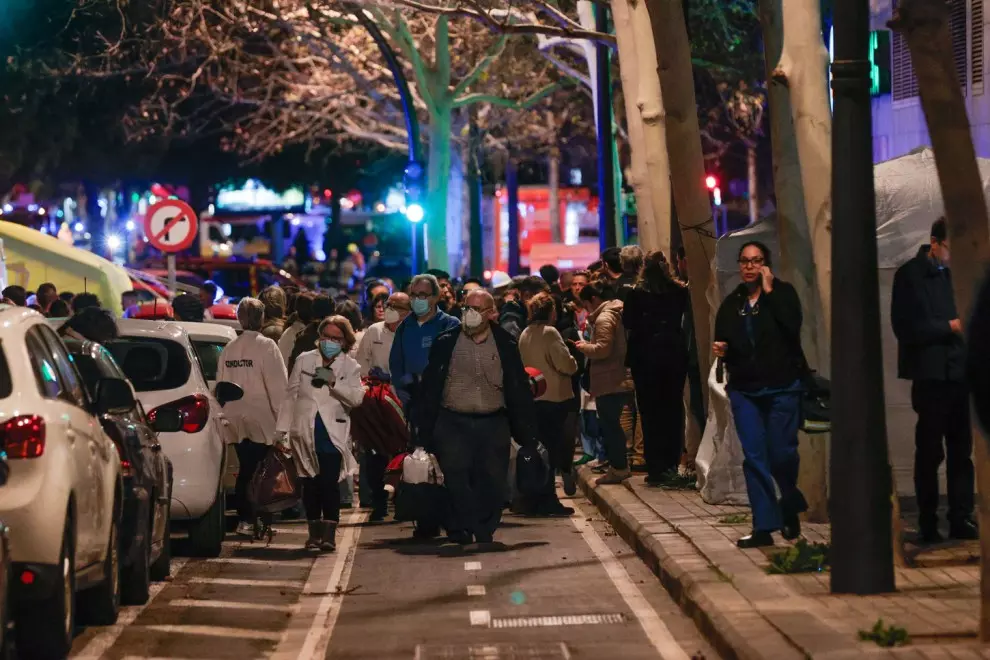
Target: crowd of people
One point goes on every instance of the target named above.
(611, 344)
(614, 347)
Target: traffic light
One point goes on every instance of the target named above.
(711, 182)
(412, 182)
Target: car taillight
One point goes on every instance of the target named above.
(23, 437)
(195, 412)
(114, 433)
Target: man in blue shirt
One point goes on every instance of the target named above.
(414, 336)
(410, 355)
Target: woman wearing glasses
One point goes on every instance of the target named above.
(758, 340)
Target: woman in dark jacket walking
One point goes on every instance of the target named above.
(758, 339)
(657, 355)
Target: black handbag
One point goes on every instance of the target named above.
(532, 470)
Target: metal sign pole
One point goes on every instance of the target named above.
(171, 273)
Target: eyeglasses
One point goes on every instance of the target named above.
(420, 296)
(478, 309)
(755, 261)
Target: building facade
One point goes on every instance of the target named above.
(898, 121)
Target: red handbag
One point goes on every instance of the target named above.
(379, 423)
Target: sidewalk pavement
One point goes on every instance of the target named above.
(747, 613)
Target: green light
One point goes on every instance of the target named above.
(874, 69)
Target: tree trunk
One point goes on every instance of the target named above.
(649, 102)
(437, 175)
(688, 178)
(803, 67)
(797, 257)
(754, 192)
(554, 176)
(630, 70)
(925, 25)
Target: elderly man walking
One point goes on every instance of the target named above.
(475, 396)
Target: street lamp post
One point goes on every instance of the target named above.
(859, 499)
(606, 175)
(412, 130)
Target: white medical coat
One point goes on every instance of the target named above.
(254, 362)
(303, 402)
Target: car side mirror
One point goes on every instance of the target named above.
(114, 396)
(167, 420)
(226, 392)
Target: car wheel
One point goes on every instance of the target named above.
(100, 605)
(6, 638)
(45, 630)
(206, 534)
(135, 583)
(162, 567)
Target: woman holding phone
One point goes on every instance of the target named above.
(758, 338)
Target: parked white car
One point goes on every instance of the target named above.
(209, 340)
(163, 362)
(62, 499)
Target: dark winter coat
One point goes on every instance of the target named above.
(978, 355)
(512, 318)
(921, 307)
(655, 330)
(518, 393)
(774, 357)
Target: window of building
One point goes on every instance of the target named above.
(904, 84)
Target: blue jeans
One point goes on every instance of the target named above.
(767, 425)
(610, 407)
(591, 435)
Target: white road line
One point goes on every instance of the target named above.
(272, 546)
(481, 618)
(214, 631)
(472, 566)
(229, 605)
(245, 561)
(308, 634)
(476, 590)
(301, 531)
(107, 637)
(658, 633)
(232, 582)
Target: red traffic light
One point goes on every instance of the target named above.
(711, 182)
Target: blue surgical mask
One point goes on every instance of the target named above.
(330, 348)
(420, 307)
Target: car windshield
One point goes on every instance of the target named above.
(89, 370)
(92, 369)
(209, 357)
(151, 364)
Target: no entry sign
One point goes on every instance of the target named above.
(170, 225)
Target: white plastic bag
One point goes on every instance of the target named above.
(421, 467)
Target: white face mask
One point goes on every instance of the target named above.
(473, 319)
(391, 316)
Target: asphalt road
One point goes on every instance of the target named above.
(559, 588)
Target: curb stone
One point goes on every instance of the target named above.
(697, 594)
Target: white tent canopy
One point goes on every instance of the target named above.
(908, 201)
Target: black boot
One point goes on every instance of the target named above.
(792, 526)
(328, 543)
(928, 529)
(964, 529)
(755, 540)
